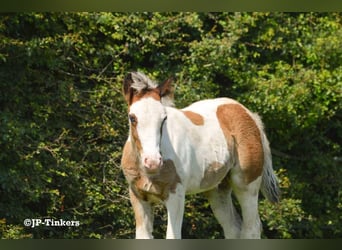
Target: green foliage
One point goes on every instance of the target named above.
(63, 120)
(12, 231)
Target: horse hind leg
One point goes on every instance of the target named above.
(247, 196)
(221, 203)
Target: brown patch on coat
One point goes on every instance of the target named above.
(130, 162)
(135, 137)
(162, 184)
(195, 118)
(239, 126)
(146, 187)
(153, 93)
(214, 174)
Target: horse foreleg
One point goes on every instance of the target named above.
(175, 211)
(143, 217)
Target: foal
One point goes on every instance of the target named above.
(213, 146)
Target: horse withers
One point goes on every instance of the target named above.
(214, 146)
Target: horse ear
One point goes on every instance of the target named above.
(127, 90)
(166, 89)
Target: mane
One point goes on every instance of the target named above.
(141, 82)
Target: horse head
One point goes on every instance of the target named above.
(147, 114)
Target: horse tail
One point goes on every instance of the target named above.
(269, 184)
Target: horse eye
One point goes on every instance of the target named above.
(132, 119)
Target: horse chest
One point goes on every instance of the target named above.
(159, 186)
(201, 151)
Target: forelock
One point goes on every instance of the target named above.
(142, 82)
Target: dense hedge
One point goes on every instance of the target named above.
(63, 121)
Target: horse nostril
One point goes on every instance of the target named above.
(146, 163)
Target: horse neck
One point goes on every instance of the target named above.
(176, 119)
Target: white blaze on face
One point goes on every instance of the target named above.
(149, 114)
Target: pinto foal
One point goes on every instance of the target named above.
(213, 146)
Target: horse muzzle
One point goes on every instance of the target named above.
(152, 163)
